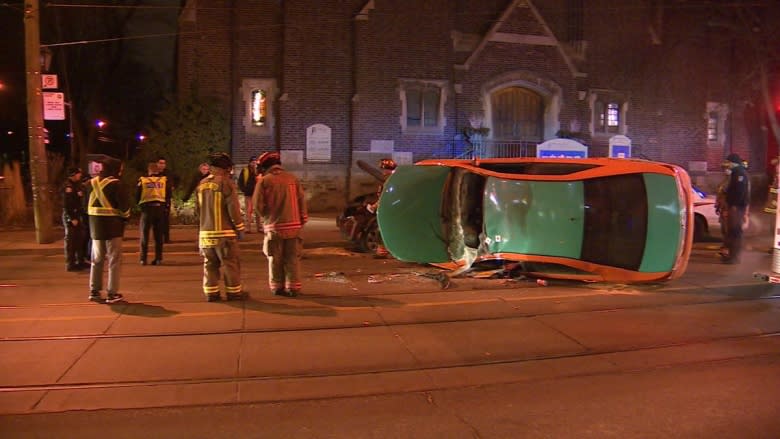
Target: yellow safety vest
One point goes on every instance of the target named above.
(152, 189)
(105, 208)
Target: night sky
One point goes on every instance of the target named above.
(155, 50)
(13, 111)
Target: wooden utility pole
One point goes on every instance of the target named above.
(38, 160)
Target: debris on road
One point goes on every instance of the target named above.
(441, 277)
(333, 276)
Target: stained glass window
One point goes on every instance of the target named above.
(259, 107)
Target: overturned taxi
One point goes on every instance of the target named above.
(599, 219)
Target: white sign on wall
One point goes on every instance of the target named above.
(53, 106)
(383, 146)
(318, 143)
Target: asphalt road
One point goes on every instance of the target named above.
(374, 348)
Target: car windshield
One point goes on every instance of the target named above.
(615, 221)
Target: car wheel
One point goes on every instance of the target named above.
(700, 228)
(369, 239)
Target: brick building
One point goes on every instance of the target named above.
(330, 82)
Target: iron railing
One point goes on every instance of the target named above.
(500, 149)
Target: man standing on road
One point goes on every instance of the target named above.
(153, 194)
(73, 220)
(737, 199)
(280, 202)
(108, 208)
(220, 227)
(246, 182)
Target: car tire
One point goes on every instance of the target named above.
(369, 237)
(701, 230)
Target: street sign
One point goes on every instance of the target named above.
(48, 82)
(561, 148)
(53, 106)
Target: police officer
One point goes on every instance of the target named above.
(108, 208)
(280, 202)
(153, 194)
(162, 169)
(73, 220)
(737, 199)
(221, 225)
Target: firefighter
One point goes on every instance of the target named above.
(221, 226)
(73, 221)
(771, 202)
(153, 193)
(387, 165)
(280, 202)
(108, 208)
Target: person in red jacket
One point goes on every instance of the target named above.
(279, 200)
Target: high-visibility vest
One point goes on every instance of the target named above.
(152, 188)
(105, 208)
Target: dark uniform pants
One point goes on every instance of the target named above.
(152, 215)
(75, 242)
(284, 262)
(733, 241)
(224, 255)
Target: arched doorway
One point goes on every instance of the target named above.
(517, 115)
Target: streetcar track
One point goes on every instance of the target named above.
(256, 378)
(382, 322)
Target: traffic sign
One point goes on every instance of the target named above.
(53, 106)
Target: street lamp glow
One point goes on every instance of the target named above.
(100, 123)
(141, 137)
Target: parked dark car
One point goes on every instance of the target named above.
(358, 225)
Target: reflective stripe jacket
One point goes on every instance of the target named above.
(153, 188)
(280, 202)
(218, 209)
(108, 208)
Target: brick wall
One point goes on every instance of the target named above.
(332, 69)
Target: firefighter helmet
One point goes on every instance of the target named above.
(388, 164)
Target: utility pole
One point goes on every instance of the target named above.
(39, 162)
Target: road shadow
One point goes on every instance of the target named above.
(352, 301)
(141, 310)
(168, 263)
(282, 308)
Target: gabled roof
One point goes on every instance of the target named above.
(521, 23)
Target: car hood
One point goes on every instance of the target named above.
(409, 214)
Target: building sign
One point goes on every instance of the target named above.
(382, 146)
(619, 147)
(562, 149)
(53, 106)
(318, 143)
